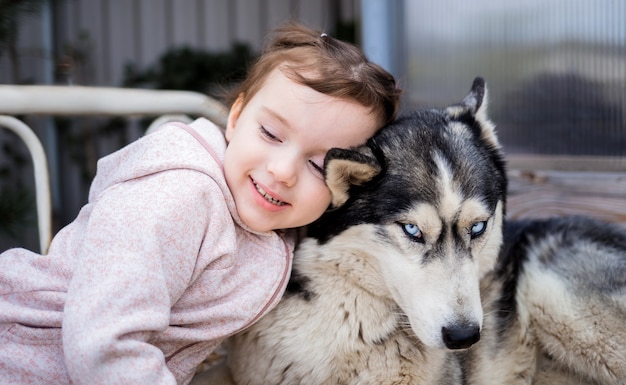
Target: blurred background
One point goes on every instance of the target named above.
(556, 71)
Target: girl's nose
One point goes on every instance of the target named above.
(284, 170)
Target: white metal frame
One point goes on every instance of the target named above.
(42, 182)
(81, 100)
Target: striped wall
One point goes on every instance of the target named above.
(104, 35)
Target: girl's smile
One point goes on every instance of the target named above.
(266, 199)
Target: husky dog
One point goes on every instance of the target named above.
(415, 278)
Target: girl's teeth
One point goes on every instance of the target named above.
(267, 196)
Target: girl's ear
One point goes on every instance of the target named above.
(233, 115)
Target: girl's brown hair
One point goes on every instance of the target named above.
(325, 64)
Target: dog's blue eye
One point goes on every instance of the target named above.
(413, 231)
(478, 228)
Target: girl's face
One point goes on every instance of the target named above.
(277, 143)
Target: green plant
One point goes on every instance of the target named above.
(190, 69)
(17, 204)
(10, 14)
(16, 210)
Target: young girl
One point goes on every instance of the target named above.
(180, 244)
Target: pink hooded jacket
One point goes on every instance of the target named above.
(156, 270)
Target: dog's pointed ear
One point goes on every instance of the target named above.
(475, 105)
(475, 99)
(344, 168)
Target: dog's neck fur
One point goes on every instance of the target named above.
(349, 265)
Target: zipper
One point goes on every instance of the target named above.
(278, 290)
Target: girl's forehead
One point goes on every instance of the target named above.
(321, 121)
(281, 91)
(280, 80)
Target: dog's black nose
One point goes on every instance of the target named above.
(461, 336)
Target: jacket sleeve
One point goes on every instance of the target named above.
(136, 258)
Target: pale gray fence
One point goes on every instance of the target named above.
(93, 40)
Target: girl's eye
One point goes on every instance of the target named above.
(413, 232)
(317, 169)
(268, 135)
(477, 229)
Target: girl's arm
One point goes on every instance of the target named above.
(136, 259)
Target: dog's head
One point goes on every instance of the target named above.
(424, 200)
